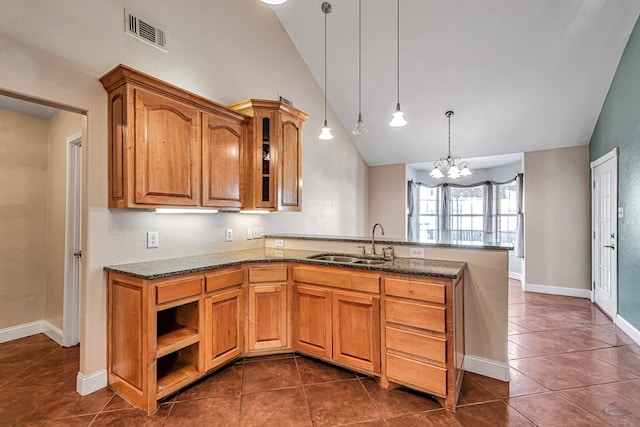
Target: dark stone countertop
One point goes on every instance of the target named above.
(395, 241)
(151, 270)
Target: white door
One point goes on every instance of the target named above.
(73, 249)
(604, 202)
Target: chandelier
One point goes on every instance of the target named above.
(451, 165)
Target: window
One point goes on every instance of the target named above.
(428, 213)
(466, 213)
(506, 212)
(466, 210)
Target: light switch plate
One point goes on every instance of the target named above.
(249, 233)
(153, 239)
(279, 243)
(258, 233)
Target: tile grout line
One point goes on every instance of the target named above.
(304, 392)
(384, 420)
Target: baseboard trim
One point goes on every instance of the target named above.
(558, 290)
(486, 367)
(515, 276)
(628, 329)
(52, 332)
(31, 328)
(87, 384)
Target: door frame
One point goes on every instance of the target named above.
(613, 154)
(73, 243)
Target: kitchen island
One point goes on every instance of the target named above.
(170, 322)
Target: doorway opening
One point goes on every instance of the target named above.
(41, 219)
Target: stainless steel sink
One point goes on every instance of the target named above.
(371, 261)
(347, 259)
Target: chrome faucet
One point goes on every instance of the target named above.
(373, 237)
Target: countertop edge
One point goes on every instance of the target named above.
(418, 270)
(399, 242)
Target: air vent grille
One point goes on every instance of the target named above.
(145, 31)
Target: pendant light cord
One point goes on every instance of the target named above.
(359, 59)
(325, 67)
(398, 48)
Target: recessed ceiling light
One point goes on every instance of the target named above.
(274, 1)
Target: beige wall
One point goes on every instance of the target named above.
(556, 218)
(221, 61)
(61, 126)
(23, 174)
(387, 199)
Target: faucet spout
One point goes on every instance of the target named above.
(373, 237)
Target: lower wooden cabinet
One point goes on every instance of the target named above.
(332, 323)
(424, 334)
(312, 320)
(356, 330)
(165, 334)
(267, 307)
(224, 327)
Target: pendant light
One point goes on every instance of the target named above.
(360, 128)
(450, 164)
(398, 117)
(325, 132)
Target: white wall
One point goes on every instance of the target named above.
(387, 199)
(556, 220)
(226, 51)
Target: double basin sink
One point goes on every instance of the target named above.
(348, 259)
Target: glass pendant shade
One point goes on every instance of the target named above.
(436, 173)
(274, 1)
(325, 133)
(454, 172)
(360, 128)
(465, 171)
(398, 118)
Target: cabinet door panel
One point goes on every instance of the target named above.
(223, 146)
(267, 317)
(224, 327)
(356, 330)
(312, 321)
(167, 145)
(290, 185)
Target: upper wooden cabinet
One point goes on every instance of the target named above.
(169, 147)
(275, 155)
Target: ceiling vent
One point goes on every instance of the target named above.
(145, 31)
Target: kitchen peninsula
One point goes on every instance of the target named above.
(401, 321)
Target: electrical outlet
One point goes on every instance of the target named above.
(249, 233)
(153, 239)
(416, 253)
(228, 235)
(279, 243)
(258, 233)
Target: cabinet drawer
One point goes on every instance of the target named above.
(268, 274)
(423, 291)
(424, 346)
(327, 276)
(417, 315)
(430, 378)
(224, 279)
(177, 290)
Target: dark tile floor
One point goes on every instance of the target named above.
(570, 366)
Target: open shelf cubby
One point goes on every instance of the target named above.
(176, 369)
(177, 328)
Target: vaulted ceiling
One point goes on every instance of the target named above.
(520, 75)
